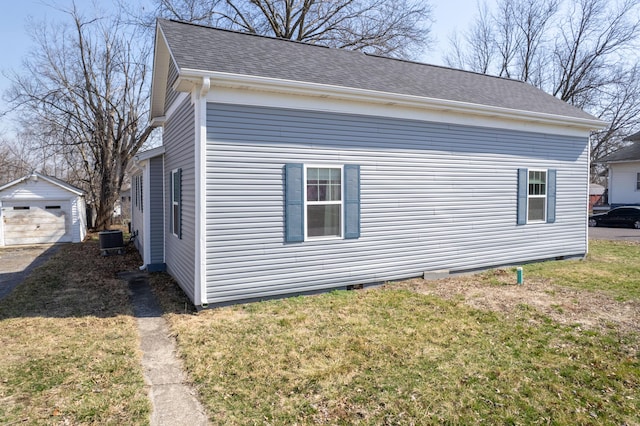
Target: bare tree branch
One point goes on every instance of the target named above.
(86, 87)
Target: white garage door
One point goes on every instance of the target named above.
(36, 222)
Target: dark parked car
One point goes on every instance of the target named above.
(620, 216)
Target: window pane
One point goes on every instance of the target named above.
(176, 187)
(335, 176)
(323, 220)
(323, 184)
(537, 183)
(335, 193)
(536, 208)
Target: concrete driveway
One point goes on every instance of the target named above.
(16, 263)
(626, 234)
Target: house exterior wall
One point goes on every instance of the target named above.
(156, 211)
(171, 78)
(179, 142)
(623, 183)
(433, 196)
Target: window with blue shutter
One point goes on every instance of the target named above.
(536, 196)
(319, 199)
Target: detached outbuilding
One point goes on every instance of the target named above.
(37, 209)
(291, 168)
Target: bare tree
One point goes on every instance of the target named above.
(16, 160)
(86, 85)
(386, 27)
(581, 51)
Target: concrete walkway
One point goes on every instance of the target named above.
(173, 400)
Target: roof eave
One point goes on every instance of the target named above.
(56, 182)
(161, 58)
(189, 79)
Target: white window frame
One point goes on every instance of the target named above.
(174, 203)
(546, 192)
(319, 203)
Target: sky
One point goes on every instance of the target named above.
(16, 42)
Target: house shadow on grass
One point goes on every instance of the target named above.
(74, 281)
(17, 263)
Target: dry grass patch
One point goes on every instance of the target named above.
(394, 355)
(70, 344)
(602, 292)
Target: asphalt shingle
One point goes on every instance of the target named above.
(204, 48)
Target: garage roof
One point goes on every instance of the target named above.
(51, 179)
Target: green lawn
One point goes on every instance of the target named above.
(610, 266)
(394, 356)
(70, 344)
(388, 355)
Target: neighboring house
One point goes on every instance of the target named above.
(39, 209)
(624, 174)
(291, 168)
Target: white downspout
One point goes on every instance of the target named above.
(201, 191)
(146, 213)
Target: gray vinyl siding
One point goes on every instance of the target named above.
(179, 143)
(156, 212)
(433, 196)
(137, 218)
(171, 78)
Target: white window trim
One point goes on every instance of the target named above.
(341, 202)
(546, 192)
(174, 172)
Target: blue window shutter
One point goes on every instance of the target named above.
(179, 177)
(523, 192)
(293, 202)
(551, 196)
(351, 201)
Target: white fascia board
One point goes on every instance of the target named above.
(150, 153)
(189, 79)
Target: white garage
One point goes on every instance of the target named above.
(39, 209)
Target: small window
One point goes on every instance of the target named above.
(176, 203)
(324, 202)
(21, 207)
(52, 207)
(537, 200)
(637, 181)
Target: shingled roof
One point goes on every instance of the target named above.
(628, 153)
(633, 137)
(200, 48)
